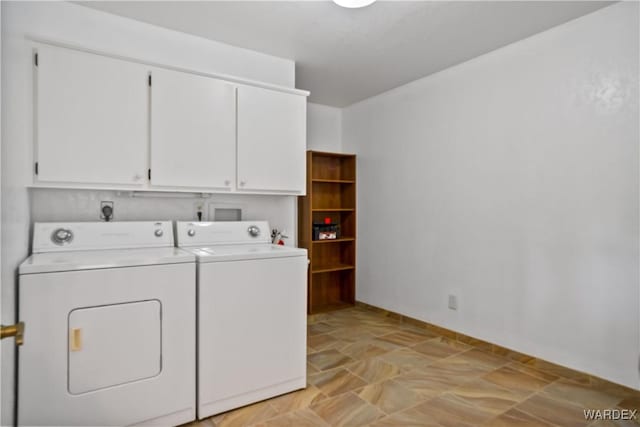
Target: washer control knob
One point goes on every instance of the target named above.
(253, 231)
(62, 236)
(158, 232)
(191, 232)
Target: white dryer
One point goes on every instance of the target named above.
(109, 310)
(252, 299)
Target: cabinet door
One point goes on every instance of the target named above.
(91, 115)
(193, 131)
(271, 140)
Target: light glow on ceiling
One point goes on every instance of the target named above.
(353, 4)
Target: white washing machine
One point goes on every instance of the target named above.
(109, 312)
(252, 299)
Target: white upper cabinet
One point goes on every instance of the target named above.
(271, 141)
(193, 131)
(91, 119)
(113, 123)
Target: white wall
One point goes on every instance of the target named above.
(84, 205)
(324, 128)
(512, 181)
(78, 25)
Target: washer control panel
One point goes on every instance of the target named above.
(196, 233)
(73, 236)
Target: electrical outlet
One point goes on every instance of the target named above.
(198, 211)
(453, 302)
(106, 210)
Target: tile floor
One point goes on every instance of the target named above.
(366, 369)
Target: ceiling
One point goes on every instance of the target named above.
(346, 55)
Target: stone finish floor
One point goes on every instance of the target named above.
(366, 369)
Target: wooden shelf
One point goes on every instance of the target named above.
(342, 239)
(332, 268)
(331, 197)
(334, 181)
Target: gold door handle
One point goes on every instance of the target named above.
(16, 330)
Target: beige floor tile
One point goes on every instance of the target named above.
(361, 350)
(407, 359)
(389, 346)
(297, 400)
(324, 342)
(318, 328)
(208, 422)
(462, 366)
(614, 389)
(614, 423)
(476, 343)
(389, 396)
(408, 418)
(246, 416)
(378, 329)
(532, 371)
(336, 381)
(511, 355)
(631, 402)
(483, 358)
(351, 334)
(344, 322)
(300, 418)
(328, 359)
(553, 411)
(420, 329)
(486, 396)
(515, 418)
(520, 383)
(558, 370)
(430, 381)
(449, 411)
(406, 338)
(373, 370)
(347, 410)
(442, 347)
(580, 394)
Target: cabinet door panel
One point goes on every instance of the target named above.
(271, 140)
(91, 115)
(192, 131)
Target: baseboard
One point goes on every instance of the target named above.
(534, 362)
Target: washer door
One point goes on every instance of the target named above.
(114, 344)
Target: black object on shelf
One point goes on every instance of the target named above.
(326, 231)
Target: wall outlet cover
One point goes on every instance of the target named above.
(453, 302)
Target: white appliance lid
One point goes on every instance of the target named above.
(245, 252)
(49, 262)
(80, 236)
(190, 233)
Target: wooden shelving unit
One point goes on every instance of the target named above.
(331, 193)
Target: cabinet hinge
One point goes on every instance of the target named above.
(35, 59)
(149, 80)
(149, 174)
(36, 168)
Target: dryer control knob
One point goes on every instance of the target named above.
(191, 232)
(62, 236)
(158, 232)
(253, 231)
